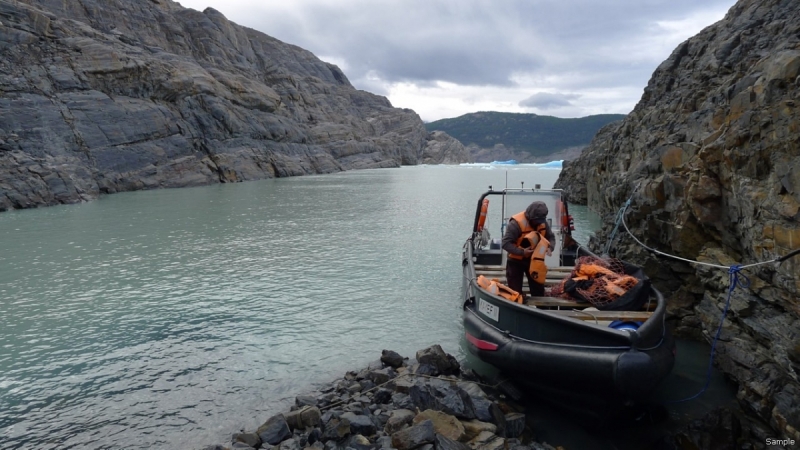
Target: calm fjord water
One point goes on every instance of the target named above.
(172, 318)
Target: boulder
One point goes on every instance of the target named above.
(444, 363)
(360, 424)
(274, 430)
(414, 436)
(472, 428)
(391, 359)
(443, 424)
(444, 443)
(305, 417)
(250, 439)
(442, 396)
(399, 419)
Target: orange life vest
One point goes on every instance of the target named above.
(525, 228)
(537, 268)
(494, 286)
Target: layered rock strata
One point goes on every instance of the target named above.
(108, 96)
(710, 160)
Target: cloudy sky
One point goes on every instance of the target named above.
(445, 58)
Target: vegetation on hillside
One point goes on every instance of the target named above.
(530, 133)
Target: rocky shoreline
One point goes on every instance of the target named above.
(429, 402)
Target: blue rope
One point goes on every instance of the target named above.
(734, 276)
(616, 226)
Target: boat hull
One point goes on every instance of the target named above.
(607, 374)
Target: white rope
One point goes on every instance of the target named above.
(718, 266)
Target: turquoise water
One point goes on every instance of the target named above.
(175, 317)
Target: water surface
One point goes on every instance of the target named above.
(175, 317)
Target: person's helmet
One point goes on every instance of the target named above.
(536, 210)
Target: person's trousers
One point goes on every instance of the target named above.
(514, 273)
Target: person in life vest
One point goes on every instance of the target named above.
(517, 242)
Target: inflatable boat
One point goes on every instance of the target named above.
(562, 346)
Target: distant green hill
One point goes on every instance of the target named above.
(530, 133)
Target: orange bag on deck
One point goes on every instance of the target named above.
(494, 286)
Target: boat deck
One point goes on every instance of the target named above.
(566, 307)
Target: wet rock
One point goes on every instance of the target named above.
(403, 385)
(382, 396)
(382, 376)
(424, 369)
(274, 430)
(444, 443)
(514, 425)
(472, 428)
(414, 436)
(314, 436)
(402, 401)
(251, 439)
(487, 441)
(442, 396)
(360, 424)
(391, 359)
(399, 419)
(289, 444)
(435, 356)
(306, 417)
(359, 442)
(384, 442)
(336, 429)
(443, 424)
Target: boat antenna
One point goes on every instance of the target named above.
(522, 185)
(506, 179)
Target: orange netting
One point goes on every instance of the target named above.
(598, 281)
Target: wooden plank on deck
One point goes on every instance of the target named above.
(633, 316)
(550, 302)
(555, 301)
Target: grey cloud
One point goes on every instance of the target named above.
(470, 42)
(545, 100)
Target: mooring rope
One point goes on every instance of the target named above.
(735, 274)
(736, 278)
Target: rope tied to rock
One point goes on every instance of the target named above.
(617, 222)
(736, 278)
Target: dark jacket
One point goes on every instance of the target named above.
(513, 233)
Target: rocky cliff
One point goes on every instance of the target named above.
(112, 95)
(710, 158)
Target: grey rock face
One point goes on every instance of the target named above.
(109, 96)
(710, 161)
